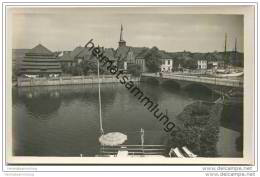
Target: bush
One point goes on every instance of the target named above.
(200, 129)
(134, 69)
(152, 60)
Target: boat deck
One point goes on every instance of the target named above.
(133, 150)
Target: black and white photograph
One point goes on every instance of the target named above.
(127, 83)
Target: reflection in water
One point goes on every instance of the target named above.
(41, 104)
(71, 125)
(171, 85)
(204, 93)
(231, 151)
(232, 119)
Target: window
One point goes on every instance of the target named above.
(169, 62)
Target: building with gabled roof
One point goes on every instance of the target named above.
(135, 55)
(79, 54)
(126, 55)
(40, 61)
(166, 61)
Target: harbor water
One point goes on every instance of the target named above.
(64, 120)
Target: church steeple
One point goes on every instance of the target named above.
(121, 42)
(121, 33)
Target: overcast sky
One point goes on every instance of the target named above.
(67, 28)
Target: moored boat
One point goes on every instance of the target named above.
(234, 74)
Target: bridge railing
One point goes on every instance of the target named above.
(201, 79)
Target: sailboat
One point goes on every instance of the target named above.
(112, 138)
(232, 74)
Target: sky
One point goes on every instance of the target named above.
(66, 28)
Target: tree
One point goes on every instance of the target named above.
(200, 129)
(152, 60)
(90, 66)
(134, 69)
(77, 71)
(190, 64)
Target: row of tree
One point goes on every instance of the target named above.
(88, 67)
(152, 60)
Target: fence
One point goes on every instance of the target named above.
(69, 80)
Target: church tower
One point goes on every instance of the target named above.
(121, 42)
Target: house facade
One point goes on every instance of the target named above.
(202, 64)
(216, 64)
(141, 63)
(66, 59)
(127, 55)
(166, 64)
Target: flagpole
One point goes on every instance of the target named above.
(99, 100)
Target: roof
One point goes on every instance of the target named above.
(164, 55)
(40, 60)
(109, 52)
(36, 57)
(142, 53)
(84, 52)
(39, 50)
(40, 67)
(66, 57)
(40, 63)
(17, 56)
(76, 51)
(29, 71)
(138, 50)
(123, 52)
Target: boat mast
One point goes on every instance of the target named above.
(235, 51)
(225, 50)
(99, 101)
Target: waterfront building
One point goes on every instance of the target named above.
(127, 55)
(213, 64)
(66, 59)
(40, 62)
(141, 62)
(214, 61)
(202, 64)
(166, 62)
(79, 54)
(216, 64)
(17, 58)
(221, 64)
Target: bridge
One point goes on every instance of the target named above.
(183, 81)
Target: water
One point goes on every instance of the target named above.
(64, 120)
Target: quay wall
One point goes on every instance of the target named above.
(71, 80)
